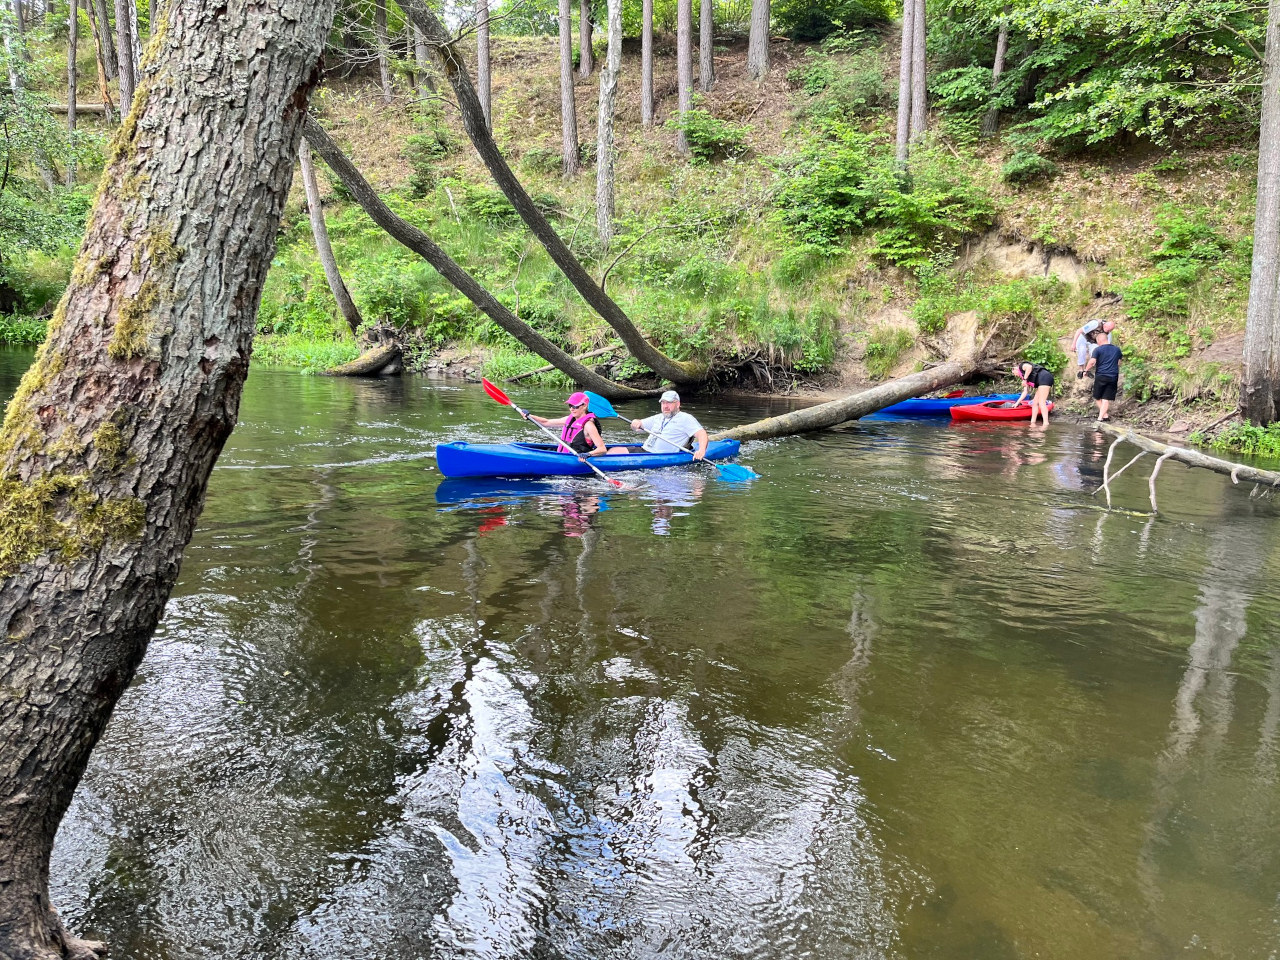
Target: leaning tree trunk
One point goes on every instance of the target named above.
(991, 122)
(455, 71)
(585, 56)
(604, 125)
(346, 306)
(73, 26)
(646, 63)
(124, 48)
(103, 28)
(904, 84)
(684, 66)
(918, 120)
(417, 241)
(826, 415)
(706, 37)
(483, 79)
(103, 90)
(1260, 391)
(569, 158)
(758, 40)
(384, 48)
(107, 447)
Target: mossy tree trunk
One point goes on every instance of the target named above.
(1260, 391)
(569, 158)
(414, 239)
(108, 444)
(455, 71)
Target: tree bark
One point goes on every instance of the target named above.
(904, 84)
(422, 59)
(646, 63)
(706, 38)
(758, 40)
(684, 66)
(991, 122)
(830, 414)
(14, 53)
(568, 111)
(604, 125)
(1260, 389)
(455, 71)
(346, 306)
(19, 28)
(586, 58)
(124, 48)
(73, 27)
(918, 73)
(136, 39)
(107, 446)
(417, 241)
(101, 23)
(104, 91)
(384, 48)
(484, 81)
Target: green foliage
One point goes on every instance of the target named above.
(807, 20)
(710, 138)
(540, 160)
(884, 348)
(844, 181)
(1188, 247)
(841, 86)
(301, 352)
(1044, 350)
(1249, 439)
(510, 362)
(1025, 167)
(15, 328)
(423, 151)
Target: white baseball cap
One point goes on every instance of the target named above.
(671, 397)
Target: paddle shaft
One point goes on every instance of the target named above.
(560, 443)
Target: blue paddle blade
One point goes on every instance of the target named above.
(735, 472)
(600, 406)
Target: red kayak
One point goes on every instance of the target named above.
(994, 410)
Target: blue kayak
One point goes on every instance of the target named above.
(541, 460)
(935, 406)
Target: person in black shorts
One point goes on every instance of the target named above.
(1106, 358)
(1037, 378)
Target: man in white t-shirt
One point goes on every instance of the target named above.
(1084, 342)
(673, 429)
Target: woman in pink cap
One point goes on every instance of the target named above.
(579, 431)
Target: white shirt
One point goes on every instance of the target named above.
(674, 431)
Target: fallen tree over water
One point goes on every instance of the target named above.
(1265, 481)
(380, 360)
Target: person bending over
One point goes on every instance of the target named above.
(1086, 340)
(1037, 378)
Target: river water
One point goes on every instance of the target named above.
(912, 694)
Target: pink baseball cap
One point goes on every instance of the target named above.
(576, 399)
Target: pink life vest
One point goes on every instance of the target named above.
(571, 435)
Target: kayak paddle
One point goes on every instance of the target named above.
(496, 394)
(733, 472)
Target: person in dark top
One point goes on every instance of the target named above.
(1037, 378)
(1106, 359)
(579, 431)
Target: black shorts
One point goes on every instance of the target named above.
(1104, 389)
(1044, 379)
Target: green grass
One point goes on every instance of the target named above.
(22, 330)
(300, 352)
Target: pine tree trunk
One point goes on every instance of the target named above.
(104, 90)
(586, 58)
(646, 63)
(706, 38)
(426, 84)
(918, 106)
(418, 242)
(1260, 391)
(19, 28)
(604, 125)
(758, 40)
(384, 48)
(73, 28)
(484, 82)
(107, 446)
(320, 233)
(136, 39)
(568, 111)
(124, 47)
(444, 51)
(904, 84)
(103, 26)
(684, 66)
(991, 122)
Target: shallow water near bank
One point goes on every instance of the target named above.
(910, 694)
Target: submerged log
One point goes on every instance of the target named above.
(860, 404)
(384, 360)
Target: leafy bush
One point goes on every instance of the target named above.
(1044, 350)
(423, 151)
(1025, 167)
(19, 329)
(1188, 246)
(884, 348)
(807, 20)
(1250, 439)
(540, 160)
(851, 87)
(709, 137)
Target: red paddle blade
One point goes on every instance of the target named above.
(953, 394)
(495, 393)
